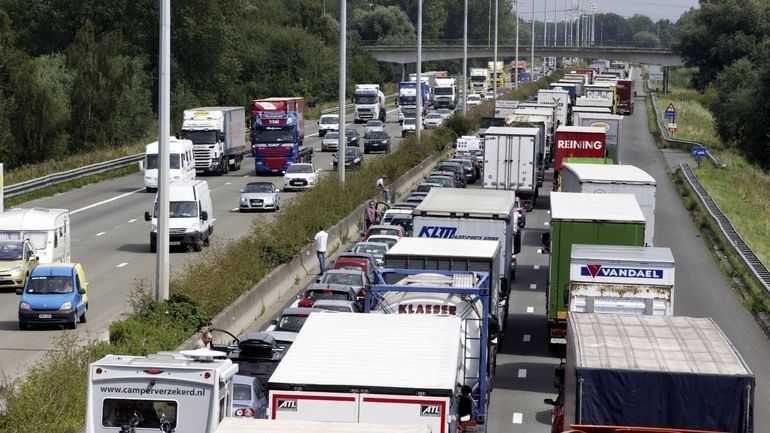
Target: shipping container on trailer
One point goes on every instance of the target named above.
(511, 158)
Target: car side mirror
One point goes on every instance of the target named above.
(318, 171)
(35, 258)
(240, 191)
(274, 322)
(549, 401)
(545, 240)
(147, 216)
(82, 291)
(318, 280)
(19, 291)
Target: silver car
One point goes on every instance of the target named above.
(260, 196)
(433, 120)
(373, 125)
(249, 398)
(330, 142)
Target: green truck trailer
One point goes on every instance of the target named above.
(583, 218)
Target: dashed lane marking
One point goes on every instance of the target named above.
(517, 417)
(532, 286)
(121, 265)
(132, 220)
(530, 309)
(118, 197)
(100, 233)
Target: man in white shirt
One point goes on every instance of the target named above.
(320, 247)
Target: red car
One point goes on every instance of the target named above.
(384, 229)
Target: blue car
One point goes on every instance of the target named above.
(54, 294)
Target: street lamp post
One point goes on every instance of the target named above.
(494, 68)
(516, 69)
(532, 57)
(342, 78)
(164, 159)
(418, 85)
(545, 23)
(465, 59)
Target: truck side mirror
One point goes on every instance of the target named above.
(82, 291)
(517, 242)
(545, 239)
(204, 216)
(274, 322)
(147, 216)
(549, 401)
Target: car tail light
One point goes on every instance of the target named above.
(239, 412)
(362, 293)
(513, 260)
(521, 212)
(305, 303)
(248, 412)
(153, 371)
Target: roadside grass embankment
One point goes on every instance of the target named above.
(209, 284)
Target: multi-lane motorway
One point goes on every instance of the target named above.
(111, 239)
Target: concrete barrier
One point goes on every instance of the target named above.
(284, 279)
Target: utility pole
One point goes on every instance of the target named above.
(164, 159)
(565, 23)
(342, 78)
(516, 69)
(577, 30)
(555, 22)
(494, 69)
(532, 57)
(465, 60)
(418, 112)
(545, 23)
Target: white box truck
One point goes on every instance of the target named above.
(191, 215)
(251, 425)
(371, 368)
(187, 391)
(621, 280)
(48, 230)
(511, 157)
(445, 93)
(561, 98)
(181, 162)
(504, 108)
(588, 109)
(615, 179)
(218, 135)
(612, 123)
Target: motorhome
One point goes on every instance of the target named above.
(181, 162)
(191, 216)
(48, 230)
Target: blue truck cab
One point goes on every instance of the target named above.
(54, 294)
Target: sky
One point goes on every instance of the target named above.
(655, 9)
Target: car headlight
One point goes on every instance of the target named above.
(66, 306)
(16, 268)
(24, 306)
(244, 200)
(269, 199)
(357, 160)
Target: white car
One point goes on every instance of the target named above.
(473, 100)
(408, 126)
(433, 120)
(490, 94)
(444, 112)
(300, 176)
(327, 123)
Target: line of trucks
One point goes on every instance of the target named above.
(422, 355)
(437, 90)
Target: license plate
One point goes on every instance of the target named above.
(558, 341)
(43, 316)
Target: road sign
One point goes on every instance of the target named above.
(671, 127)
(671, 109)
(670, 115)
(698, 151)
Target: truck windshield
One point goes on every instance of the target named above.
(443, 91)
(49, 284)
(180, 209)
(365, 99)
(200, 137)
(274, 135)
(407, 100)
(151, 162)
(117, 412)
(479, 79)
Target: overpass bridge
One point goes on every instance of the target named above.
(408, 54)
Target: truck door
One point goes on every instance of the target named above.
(401, 409)
(526, 170)
(313, 406)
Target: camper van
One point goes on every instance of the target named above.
(48, 230)
(181, 162)
(191, 216)
(189, 391)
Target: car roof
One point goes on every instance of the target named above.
(365, 243)
(330, 287)
(333, 302)
(260, 183)
(54, 269)
(374, 121)
(383, 226)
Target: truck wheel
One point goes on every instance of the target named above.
(153, 246)
(224, 166)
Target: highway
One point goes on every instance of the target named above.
(111, 239)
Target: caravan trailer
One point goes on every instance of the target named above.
(48, 230)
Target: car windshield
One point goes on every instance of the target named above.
(351, 132)
(474, 98)
(10, 251)
(332, 136)
(346, 278)
(200, 137)
(441, 180)
(300, 168)
(443, 91)
(377, 135)
(49, 284)
(180, 209)
(376, 250)
(291, 322)
(258, 187)
(241, 392)
(388, 241)
(273, 134)
(329, 120)
(151, 162)
(330, 307)
(424, 187)
(384, 231)
(433, 116)
(409, 121)
(373, 124)
(351, 151)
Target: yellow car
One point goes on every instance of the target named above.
(17, 259)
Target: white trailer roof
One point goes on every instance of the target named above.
(622, 253)
(581, 206)
(391, 351)
(476, 203)
(564, 128)
(653, 343)
(607, 173)
(30, 219)
(590, 109)
(434, 247)
(249, 425)
(507, 130)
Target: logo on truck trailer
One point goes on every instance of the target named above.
(580, 144)
(607, 271)
(427, 309)
(287, 405)
(430, 410)
(450, 233)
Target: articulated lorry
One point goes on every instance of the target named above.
(621, 280)
(577, 142)
(251, 425)
(407, 100)
(511, 158)
(369, 102)
(278, 133)
(625, 90)
(647, 372)
(408, 372)
(497, 73)
(562, 101)
(445, 93)
(218, 136)
(613, 125)
(480, 81)
(583, 218)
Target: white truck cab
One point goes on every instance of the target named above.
(181, 162)
(187, 391)
(191, 215)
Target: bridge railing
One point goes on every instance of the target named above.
(524, 44)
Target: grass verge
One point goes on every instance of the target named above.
(57, 384)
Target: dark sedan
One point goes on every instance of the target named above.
(377, 141)
(352, 136)
(353, 158)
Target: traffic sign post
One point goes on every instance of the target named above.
(670, 113)
(698, 152)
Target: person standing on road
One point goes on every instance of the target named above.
(320, 247)
(205, 341)
(370, 216)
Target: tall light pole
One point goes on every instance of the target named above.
(465, 60)
(516, 69)
(577, 22)
(532, 57)
(164, 159)
(555, 23)
(343, 72)
(418, 85)
(565, 23)
(494, 68)
(545, 23)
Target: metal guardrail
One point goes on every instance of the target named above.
(350, 106)
(757, 268)
(69, 175)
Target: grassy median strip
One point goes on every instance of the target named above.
(52, 396)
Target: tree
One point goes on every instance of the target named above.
(645, 39)
(640, 23)
(612, 29)
(383, 26)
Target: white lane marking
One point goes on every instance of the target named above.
(100, 233)
(526, 338)
(522, 373)
(517, 417)
(530, 309)
(228, 183)
(536, 267)
(121, 265)
(132, 220)
(233, 209)
(245, 175)
(90, 206)
(546, 223)
(532, 286)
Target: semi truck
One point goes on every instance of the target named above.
(578, 142)
(407, 99)
(678, 372)
(517, 70)
(449, 293)
(218, 137)
(496, 73)
(562, 101)
(615, 179)
(479, 81)
(625, 89)
(621, 280)
(369, 103)
(583, 218)
(187, 391)
(326, 376)
(511, 161)
(251, 425)
(445, 93)
(613, 125)
(576, 110)
(278, 133)
(570, 88)
(603, 90)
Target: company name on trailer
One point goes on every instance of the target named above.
(438, 309)
(450, 233)
(580, 144)
(617, 272)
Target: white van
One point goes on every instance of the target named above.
(191, 216)
(181, 167)
(48, 230)
(189, 391)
